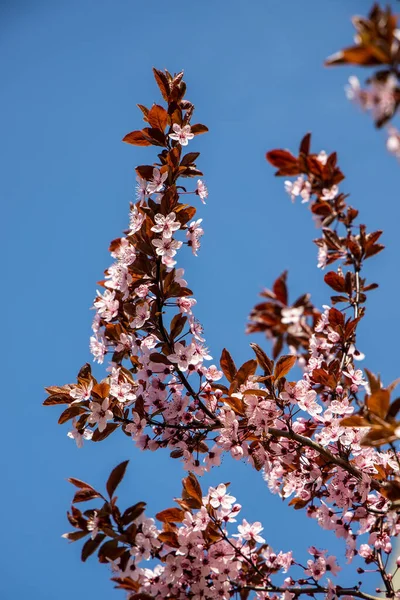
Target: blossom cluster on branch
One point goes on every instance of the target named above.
(376, 44)
(326, 439)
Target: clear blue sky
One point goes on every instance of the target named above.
(72, 72)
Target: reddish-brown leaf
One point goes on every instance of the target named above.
(79, 484)
(227, 365)
(305, 144)
(236, 404)
(74, 536)
(394, 408)
(171, 515)
(170, 538)
(280, 288)
(378, 436)
(116, 477)
(162, 83)
(324, 378)
(85, 494)
(198, 129)
(136, 138)
(156, 357)
(355, 421)
(133, 512)
(335, 281)
(373, 380)
(378, 402)
(99, 436)
(158, 117)
(145, 171)
(365, 56)
(281, 159)
(246, 370)
(70, 413)
(192, 489)
(91, 545)
(58, 399)
(263, 360)
(144, 110)
(155, 136)
(101, 390)
(283, 365)
(189, 158)
(110, 550)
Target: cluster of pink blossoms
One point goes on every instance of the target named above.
(380, 100)
(188, 566)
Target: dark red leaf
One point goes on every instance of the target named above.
(116, 477)
(136, 138)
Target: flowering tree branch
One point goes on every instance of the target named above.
(314, 438)
(377, 45)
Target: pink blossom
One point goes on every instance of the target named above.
(291, 315)
(93, 524)
(136, 219)
(138, 426)
(201, 190)
(330, 194)
(157, 183)
(81, 392)
(141, 189)
(219, 497)
(182, 356)
(98, 348)
(106, 305)
(299, 187)
(322, 256)
(123, 392)
(142, 314)
(181, 134)
(213, 373)
(193, 234)
(356, 377)
(179, 273)
(393, 141)
(249, 531)
(166, 225)
(381, 540)
(100, 414)
(166, 247)
(79, 434)
(142, 290)
(185, 304)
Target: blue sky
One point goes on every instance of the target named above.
(72, 73)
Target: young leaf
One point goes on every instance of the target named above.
(162, 83)
(198, 129)
(85, 494)
(378, 402)
(335, 281)
(283, 365)
(158, 117)
(136, 138)
(192, 488)
(246, 370)
(116, 477)
(171, 515)
(69, 413)
(227, 365)
(91, 545)
(263, 360)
